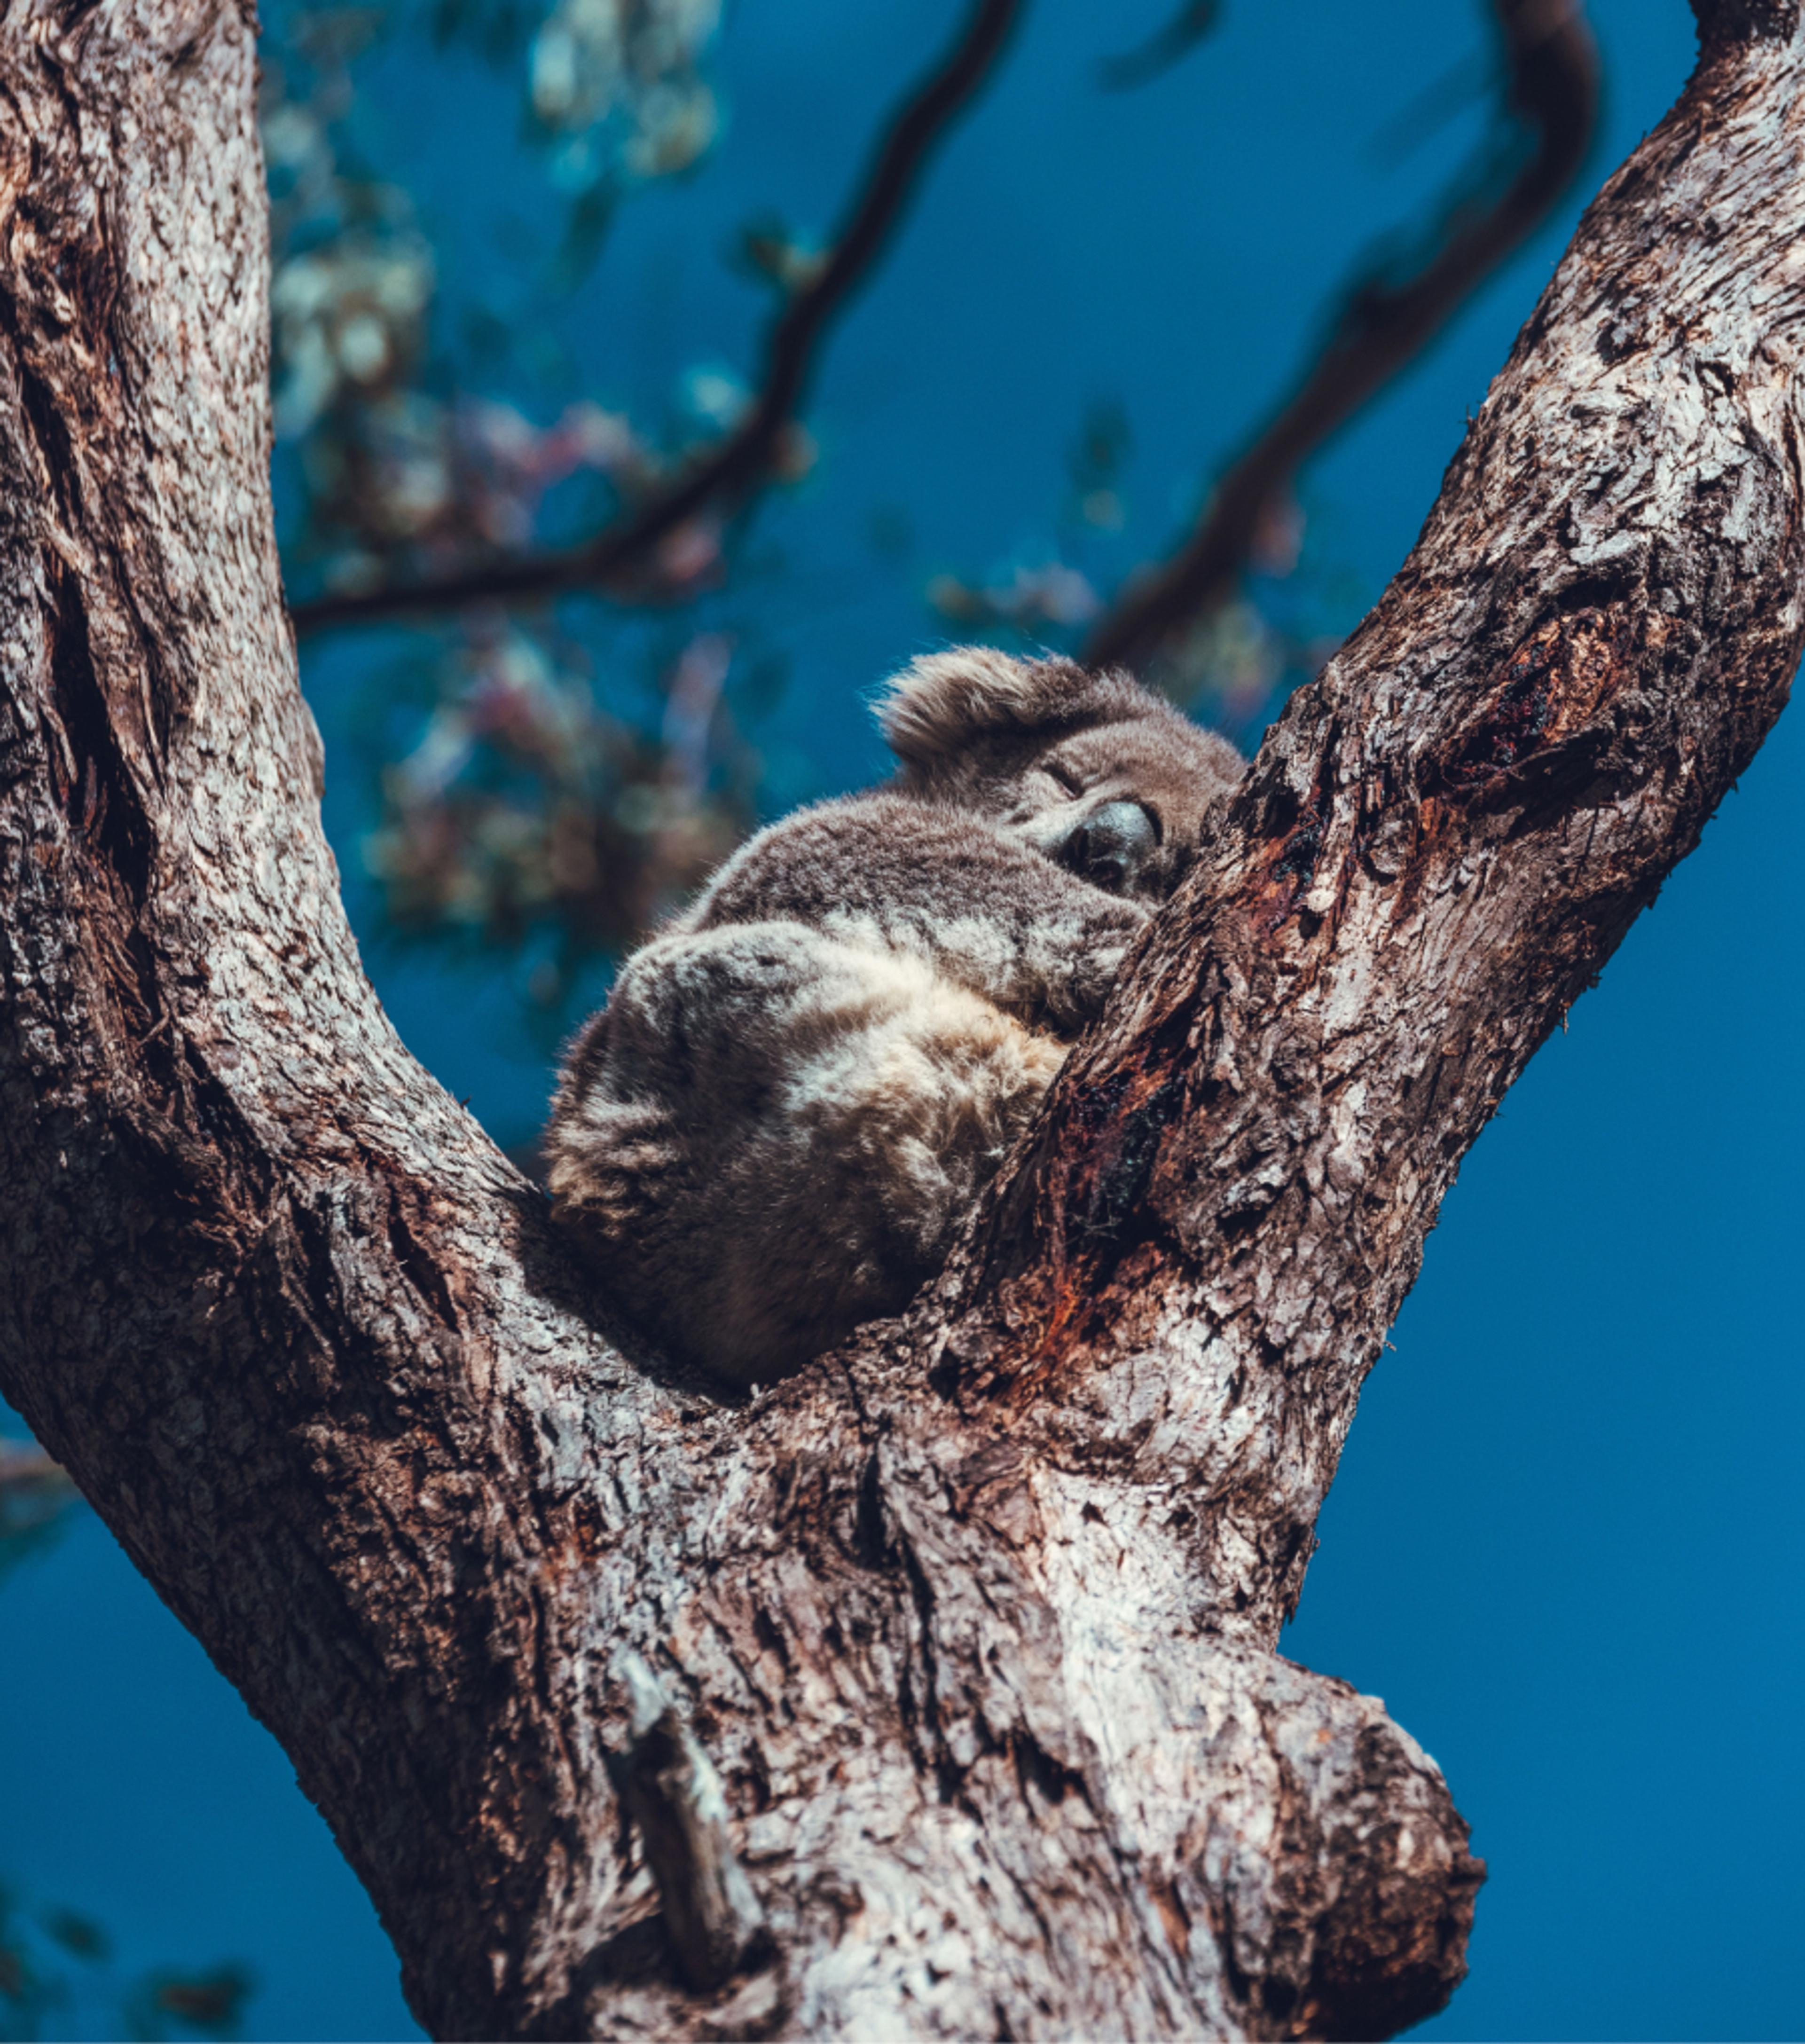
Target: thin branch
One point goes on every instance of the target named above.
(1168, 46)
(730, 472)
(1553, 89)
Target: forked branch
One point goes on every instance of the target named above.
(968, 1720)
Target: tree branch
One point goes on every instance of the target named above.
(972, 1623)
(1553, 89)
(1169, 45)
(1745, 21)
(725, 477)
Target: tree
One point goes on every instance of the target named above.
(971, 1623)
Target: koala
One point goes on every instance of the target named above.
(795, 1092)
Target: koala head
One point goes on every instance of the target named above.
(1105, 778)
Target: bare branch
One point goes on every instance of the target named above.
(724, 478)
(1382, 326)
(1169, 45)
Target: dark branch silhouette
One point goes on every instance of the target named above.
(725, 476)
(1169, 45)
(1552, 90)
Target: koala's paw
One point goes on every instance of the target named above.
(1041, 1057)
(1095, 960)
(610, 1166)
(1027, 1067)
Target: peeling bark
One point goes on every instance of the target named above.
(974, 1620)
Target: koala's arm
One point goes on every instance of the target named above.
(990, 912)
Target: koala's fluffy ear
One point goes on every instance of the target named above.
(940, 702)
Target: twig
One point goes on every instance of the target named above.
(1166, 47)
(730, 472)
(1553, 89)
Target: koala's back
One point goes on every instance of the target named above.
(769, 1131)
(792, 1098)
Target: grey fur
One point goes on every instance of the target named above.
(772, 1130)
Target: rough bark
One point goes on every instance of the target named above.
(936, 1685)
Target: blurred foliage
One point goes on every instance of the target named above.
(57, 1973)
(399, 471)
(524, 806)
(531, 801)
(616, 84)
(165, 2004)
(37, 1498)
(547, 787)
(58, 1979)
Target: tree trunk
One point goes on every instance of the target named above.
(932, 1691)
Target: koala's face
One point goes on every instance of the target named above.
(1121, 805)
(1102, 777)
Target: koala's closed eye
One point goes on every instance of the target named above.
(793, 1095)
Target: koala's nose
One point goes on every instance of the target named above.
(1111, 845)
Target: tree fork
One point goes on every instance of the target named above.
(974, 1619)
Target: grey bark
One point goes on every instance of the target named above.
(972, 1623)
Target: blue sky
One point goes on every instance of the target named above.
(1565, 1545)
